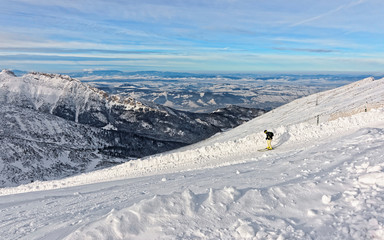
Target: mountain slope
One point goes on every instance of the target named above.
(319, 108)
(322, 181)
(38, 146)
(55, 126)
(292, 122)
(70, 99)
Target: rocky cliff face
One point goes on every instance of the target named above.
(74, 101)
(55, 126)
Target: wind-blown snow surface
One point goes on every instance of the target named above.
(323, 181)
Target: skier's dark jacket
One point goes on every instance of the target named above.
(269, 135)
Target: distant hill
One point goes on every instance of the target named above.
(202, 92)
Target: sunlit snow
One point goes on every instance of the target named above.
(323, 180)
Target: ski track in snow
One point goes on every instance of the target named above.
(321, 182)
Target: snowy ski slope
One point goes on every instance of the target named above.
(323, 181)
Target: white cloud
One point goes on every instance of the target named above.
(191, 34)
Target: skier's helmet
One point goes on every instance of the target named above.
(265, 131)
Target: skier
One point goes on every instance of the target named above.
(269, 139)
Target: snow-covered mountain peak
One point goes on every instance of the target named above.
(7, 72)
(46, 91)
(51, 76)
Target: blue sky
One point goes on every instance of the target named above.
(193, 35)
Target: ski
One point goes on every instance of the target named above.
(264, 150)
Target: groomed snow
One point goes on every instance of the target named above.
(322, 181)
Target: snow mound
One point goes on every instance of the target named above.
(194, 216)
(325, 206)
